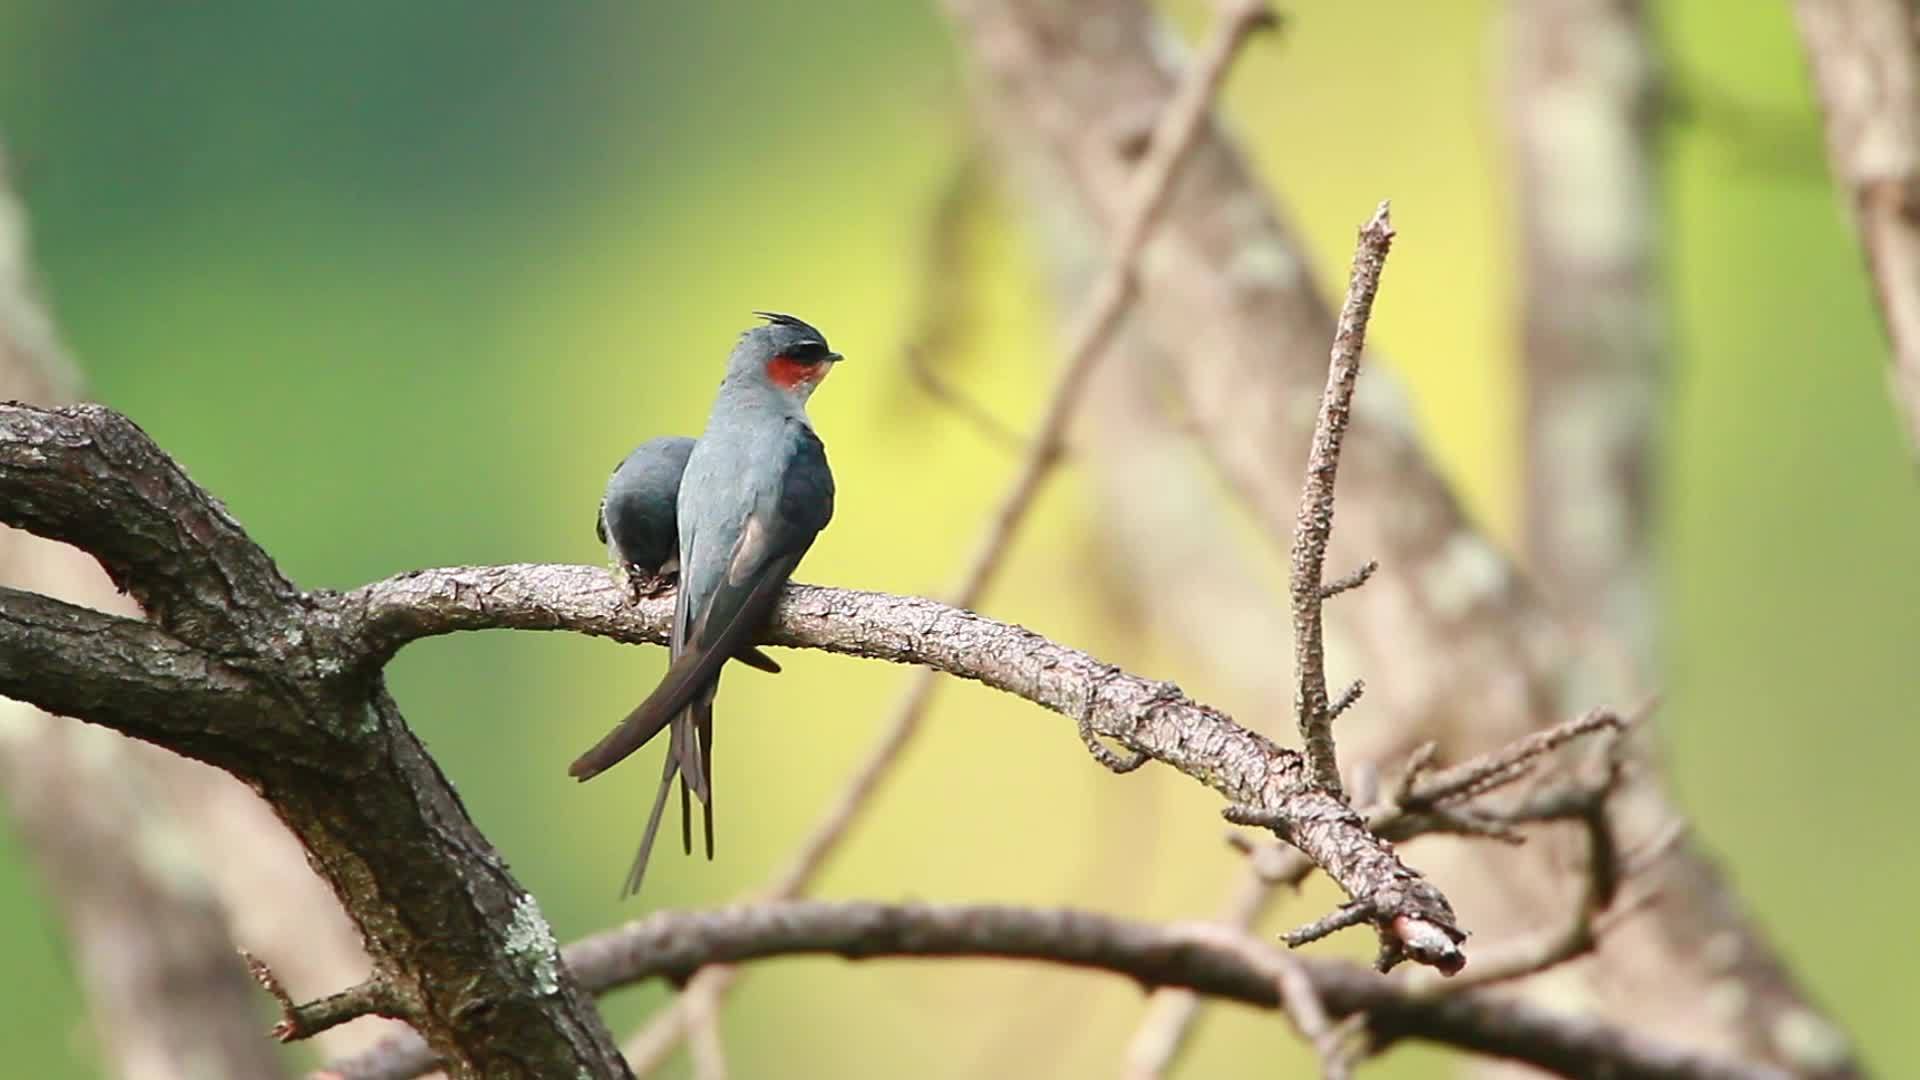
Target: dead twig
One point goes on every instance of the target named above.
(1313, 526)
(374, 997)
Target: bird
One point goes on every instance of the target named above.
(638, 521)
(756, 492)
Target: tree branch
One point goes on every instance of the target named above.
(121, 673)
(88, 476)
(248, 676)
(1313, 526)
(1208, 959)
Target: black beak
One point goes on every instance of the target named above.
(834, 358)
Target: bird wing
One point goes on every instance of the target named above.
(756, 659)
(711, 643)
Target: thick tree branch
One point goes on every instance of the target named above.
(89, 477)
(264, 694)
(1865, 56)
(121, 673)
(1208, 959)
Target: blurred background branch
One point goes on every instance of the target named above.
(1865, 60)
(1582, 104)
(1237, 317)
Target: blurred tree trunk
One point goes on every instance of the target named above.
(1582, 111)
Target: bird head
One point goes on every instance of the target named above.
(786, 354)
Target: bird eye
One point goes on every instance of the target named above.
(808, 352)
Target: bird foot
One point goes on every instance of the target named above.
(646, 585)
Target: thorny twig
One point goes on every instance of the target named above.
(1093, 327)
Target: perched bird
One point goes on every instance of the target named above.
(639, 523)
(637, 519)
(756, 491)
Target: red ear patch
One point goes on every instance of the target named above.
(787, 373)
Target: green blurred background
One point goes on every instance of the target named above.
(401, 282)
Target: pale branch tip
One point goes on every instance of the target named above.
(1313, 525)
(1347, 698)
(1351, 913)
(1350, 581)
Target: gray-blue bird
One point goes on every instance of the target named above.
(639, 522)
(755, 493)
(637, 519)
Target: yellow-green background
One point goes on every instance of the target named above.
(402, 281)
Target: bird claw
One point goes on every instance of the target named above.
(646, 585)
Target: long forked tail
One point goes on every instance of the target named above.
(684, 680)
(638, 871)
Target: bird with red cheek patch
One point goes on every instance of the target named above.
(755, 492)
(788, 373)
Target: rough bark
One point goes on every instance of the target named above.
(240, 670)
(1458, 649)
